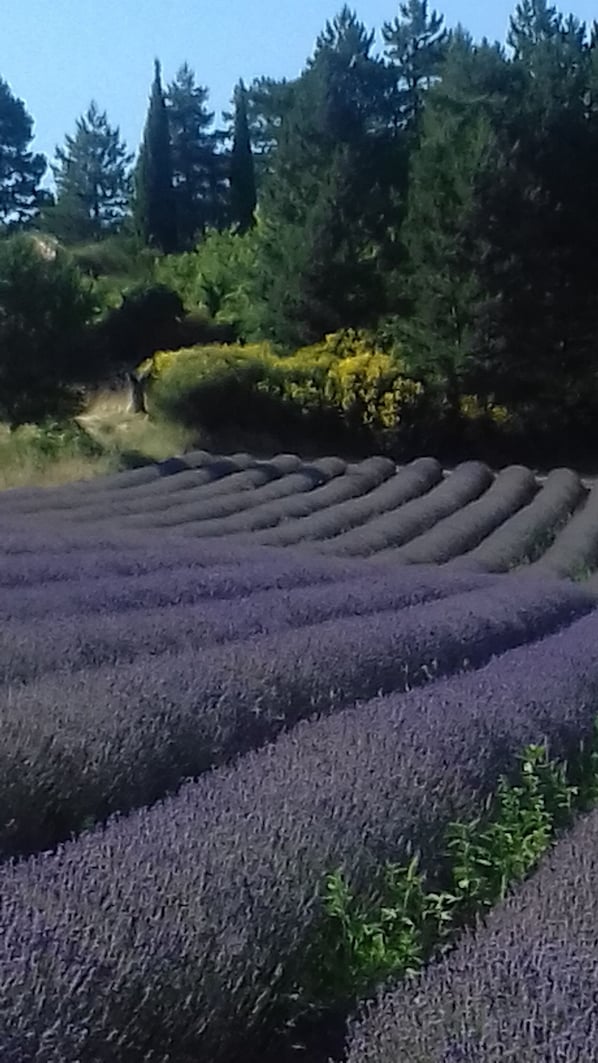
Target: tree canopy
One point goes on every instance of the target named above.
(21, 169)
(93, 180)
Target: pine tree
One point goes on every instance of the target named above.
(323, 205)
(93, 180)
(243, 194)
(457, 164)
(196, 170)
(444, 256)
(543, 239)
(155, 209)
(534, 23)
(416, 43)
(268, 101)
(20, 169)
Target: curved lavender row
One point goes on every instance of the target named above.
(405, 484)
(179, 585)
(284, 462)
(468, 482)
(68, 643)
(55, 559)
(199, 899)
(515, 540)
(269, 513)
(25, 537)
(101, 740)
(217, 474)
(86, 492)
(576, 546)
(191, 460)
(525, 982)
(358, 482)
(512, 489)
(28, 499)
(203, 506)
(220, 477)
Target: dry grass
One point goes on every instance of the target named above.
(108, 421)
(102, 440)
(28, 473)
(35, 456)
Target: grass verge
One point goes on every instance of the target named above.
(104, 439)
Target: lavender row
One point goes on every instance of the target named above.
(27, 538)
(62, 644)
(397, 490)
(575, 548)
(404, 484)
(517, 539)
(512, 489)
(220, 504)
(392, 529)
(231, 578)
(216, 485)
(140, 941)
(522, 987)
(306, 478)
(29, 499)
(214, 481)
(371, 472)
(217, 474)
(55, 558)
(358, 482)
(112, 738)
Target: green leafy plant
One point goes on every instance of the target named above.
(395, 927)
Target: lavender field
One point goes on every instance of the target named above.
(223, 678)
(371, 509)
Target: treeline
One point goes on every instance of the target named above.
(441, 192)
(187, 176)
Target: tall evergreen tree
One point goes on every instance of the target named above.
(197, 179)
(93, 180)
(542, 237)
(243, 196)
(460, 156)
(534, 23)
(268, 101)
(323, 206)
(155, 208)
(21, 170)
(416, 43)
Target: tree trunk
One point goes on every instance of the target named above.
(137, 398)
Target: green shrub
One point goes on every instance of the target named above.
(217, 278)
(213, 387)
(341, 385)
(44, 306)
(145, 320)
(101, 258)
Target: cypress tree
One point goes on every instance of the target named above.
(154, 200)
(242, 171)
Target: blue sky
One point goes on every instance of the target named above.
(59, 54)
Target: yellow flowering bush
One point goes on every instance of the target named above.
(371, 389)
(343, 377)
(474, 410)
